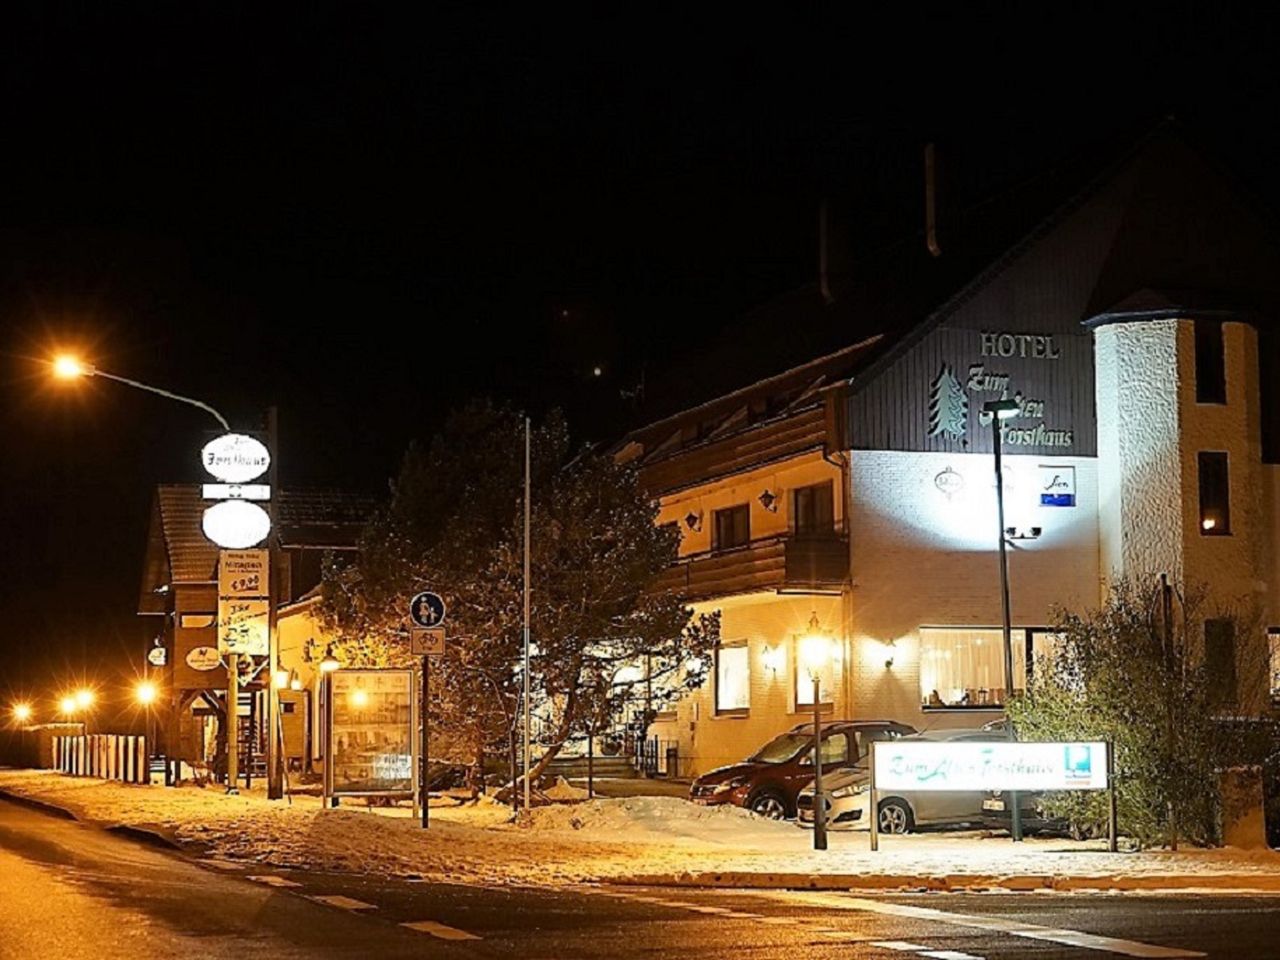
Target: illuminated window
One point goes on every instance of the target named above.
(1215, 495)
(964, 668)
(733, 680)
(828, 678)
(1211, 368)
(732, 528)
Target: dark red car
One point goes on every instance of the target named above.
(768, 782)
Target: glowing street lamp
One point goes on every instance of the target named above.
(814, 653)
(67, 706)
(67, 366)
(145, 693)
(21, 712)
(84, 698)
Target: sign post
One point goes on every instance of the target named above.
(874, 801)
(426, 639)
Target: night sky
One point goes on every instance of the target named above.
(368, 216)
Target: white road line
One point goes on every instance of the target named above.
(343, 903)
(274, 881)
(439, 930)
(1016, 928)
(948, 955)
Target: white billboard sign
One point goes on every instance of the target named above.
(235, 458)
(995, 765)
(236, 524)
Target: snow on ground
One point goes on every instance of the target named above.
(603, 839)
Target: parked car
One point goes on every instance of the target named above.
(996, 815)
(767, 782)
(845, 794)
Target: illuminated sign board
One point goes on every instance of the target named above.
(995, 765)
(235, 458)
(236, 524)
(372, 742)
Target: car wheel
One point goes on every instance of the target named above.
(895, 816)
(769, 804)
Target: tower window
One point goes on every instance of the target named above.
(1211, 368)
(1215, 495)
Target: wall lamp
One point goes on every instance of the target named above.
(1018, 533)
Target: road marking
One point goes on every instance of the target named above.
(439, 930)
(948, 955)
(1016, 928)
(343, 903)
(274, 881)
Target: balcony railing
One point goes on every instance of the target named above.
(786, 562)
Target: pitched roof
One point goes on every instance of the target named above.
(179, 552)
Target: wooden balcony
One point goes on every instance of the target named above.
(783, 563)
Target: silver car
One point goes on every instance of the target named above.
(846, 790)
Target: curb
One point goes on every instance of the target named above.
(956, 883)
(151, 837)
(43, 806)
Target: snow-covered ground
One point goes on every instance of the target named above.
(635, 837)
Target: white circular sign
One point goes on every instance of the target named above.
(203, 658)
(236, 524)
(235, 458)
(157, 656)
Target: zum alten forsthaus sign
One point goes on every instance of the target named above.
(956, 393)
(994, 765)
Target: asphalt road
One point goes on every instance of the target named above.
(70, 891)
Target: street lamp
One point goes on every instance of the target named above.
(67, 706)
(999, 410)
(327, 667)
(21, 712)
(146, 693)
(815, 651)
(69, 367)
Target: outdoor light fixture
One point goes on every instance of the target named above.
(814, 652)
(145, 693)
(67, 705)
(693, 520)
(68, 367)
(295, 682)
(280, 677)
(84, 698)
(890, 645)
(330, 662)
(769, 501)
(774, 658)
(22, 712)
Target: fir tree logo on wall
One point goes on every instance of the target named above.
(948, 405)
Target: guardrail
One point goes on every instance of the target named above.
(107, 756)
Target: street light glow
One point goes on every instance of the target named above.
(84, 698)
(67, 705)
(145, 693)
(359, 698)
(68, 367)
(22, 712)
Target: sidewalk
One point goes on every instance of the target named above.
(633, 840)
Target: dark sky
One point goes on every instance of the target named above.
(367, 215)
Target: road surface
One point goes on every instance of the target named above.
(72, 891)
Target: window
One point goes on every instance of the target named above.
(812, 511)
(732, 528)
(828, 678)
(1041, 647)
(1273, 659)
(835, 750)
(964, 668)
(1211, 369)
(1215, 495)
(1220, 657)
(733, 680)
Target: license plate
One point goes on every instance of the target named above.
(992, 804)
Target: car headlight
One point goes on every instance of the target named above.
(852, 790)
(732, 784)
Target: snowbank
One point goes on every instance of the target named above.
(638, 838)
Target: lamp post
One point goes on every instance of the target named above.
(66, 367)
(815, 650)
(145, 693)
(999, 410)
(327, 666)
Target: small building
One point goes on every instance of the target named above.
(1135, 329)
(180, 591)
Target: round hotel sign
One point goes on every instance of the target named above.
(203, 658)
(236, 524)
(235, 458)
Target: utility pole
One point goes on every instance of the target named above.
(998, 413)
(275, 767)
(528, 728)
(233, 722)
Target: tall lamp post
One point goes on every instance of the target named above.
(815, 652)
(145, 693)
(999, 410)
